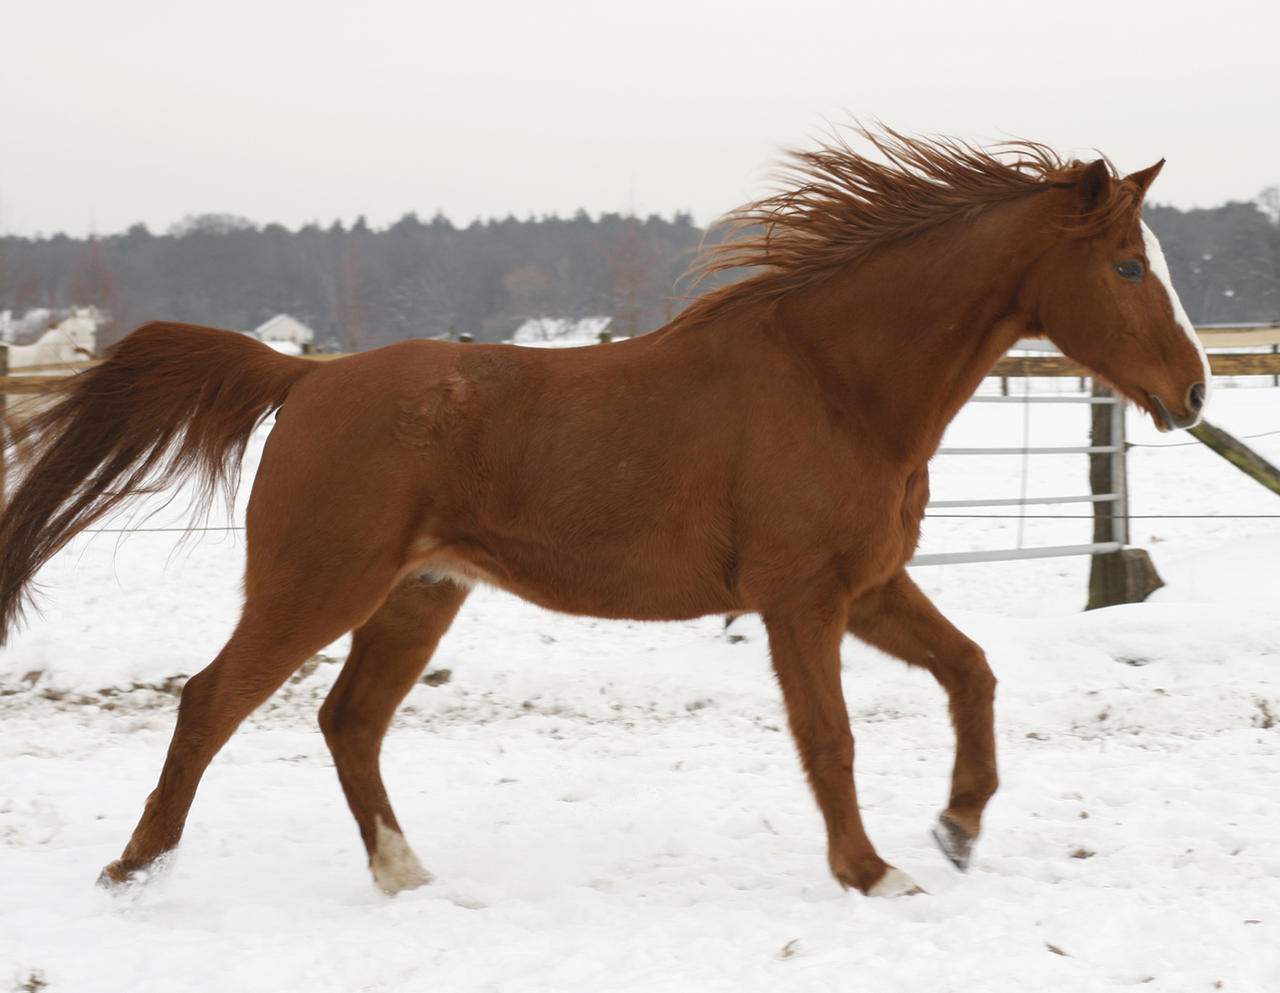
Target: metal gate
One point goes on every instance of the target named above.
(1112, 447)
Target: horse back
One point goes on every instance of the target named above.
(656, 478)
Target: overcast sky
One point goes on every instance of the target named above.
(310, 110)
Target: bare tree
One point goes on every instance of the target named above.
(632, 265)
(95, 286)
(353, 301)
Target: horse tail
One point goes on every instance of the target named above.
(172, 403)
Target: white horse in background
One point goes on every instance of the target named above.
(74, 339)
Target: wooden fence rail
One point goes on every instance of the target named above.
(1228, 364)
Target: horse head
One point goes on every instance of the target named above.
(1104, 296)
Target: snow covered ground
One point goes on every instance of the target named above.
(617, 807)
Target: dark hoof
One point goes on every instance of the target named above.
(956, 845)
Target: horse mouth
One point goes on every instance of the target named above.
(1166, 421)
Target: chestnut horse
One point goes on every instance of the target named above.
(766, 451)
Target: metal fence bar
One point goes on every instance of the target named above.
(1114, 450)
(1009, 554)
(1050, 450)
(1052, 398)
(1020, 502)
(1119, 475)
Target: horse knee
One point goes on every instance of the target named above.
(343, 732)
(330, 721)
(981, 678)
(196, 691)
(965, 673)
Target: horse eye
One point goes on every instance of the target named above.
(1131, 269)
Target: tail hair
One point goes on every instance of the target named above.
(172, 403)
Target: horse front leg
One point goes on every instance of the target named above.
(899, 619)
(805, 649)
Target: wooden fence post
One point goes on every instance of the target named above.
(4, 433)
(1238, 454)
(1126, 576)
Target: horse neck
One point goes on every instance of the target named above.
(901, 340)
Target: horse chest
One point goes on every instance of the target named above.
(915, 498)
(882, 529)
(861, 522)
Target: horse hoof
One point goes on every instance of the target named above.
(956, 845)
(408, 877)
(115, 876)
(124, 873)
(395, 868)
(893, 883)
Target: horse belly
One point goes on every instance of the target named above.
(600, 580)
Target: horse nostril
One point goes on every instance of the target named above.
(1195, 398)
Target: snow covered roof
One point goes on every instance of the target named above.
(282, 327)
(560, 332)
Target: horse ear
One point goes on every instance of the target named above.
(1095, 184)
(1143, 178)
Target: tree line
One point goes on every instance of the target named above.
(359, 288)
(1225, 261)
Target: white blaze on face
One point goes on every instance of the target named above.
(1160, 269)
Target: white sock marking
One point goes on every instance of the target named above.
(393, 863)
(895, 882)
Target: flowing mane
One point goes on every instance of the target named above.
(839, 205)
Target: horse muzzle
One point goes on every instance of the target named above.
(1194, 403)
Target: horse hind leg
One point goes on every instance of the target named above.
(388, 653)
(299, 597)
(265, 649)
(899, 619)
